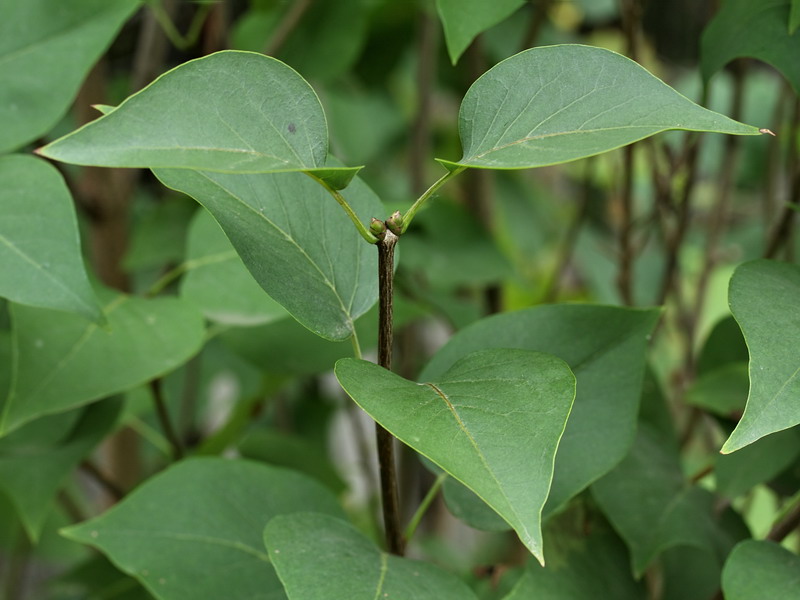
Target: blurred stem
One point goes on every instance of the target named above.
(427, 47)
(716, 225)
(365, 233)
(571, 238)
(356, 345)
(409, 216)
(783, 229)
(290, 20)
(181, 42)
(111, 487)
(789, 522)
(423, 507)
(537, 22)
(163, 417)
(387, 466)
(167, 278)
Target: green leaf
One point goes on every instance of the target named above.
(40, 250)
(61, 361)
(46, 49)
(463, 20)
(318, 557)
(218, 283)
(296, 241)
(591, 568)
(722, 391)
(35, 459)
(194, 532)
(493, 421)
(737, 473)
(794, 17)
(555, 104)
(466, 506)
(231, 112)
(743, 28)
(650, 504)
(605, 347)
(96, 579)
(761, 569)
(763, 298)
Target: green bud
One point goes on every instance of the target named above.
(395, 223)
(377, 227)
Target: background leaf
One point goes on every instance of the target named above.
(763, 297)
(761, 569)
(650, 504)
(61, 361)
(555, 104)
(493, 421)
(319, 557)
(46, 49)
(40, 251)
(605, 348)
(185, 540)
(218, 283)
(463, 20)
(35, 459)
(228, 112)
(296, 241)
(743, 28)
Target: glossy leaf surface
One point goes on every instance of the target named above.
(605, 348)
(35, 459)
(761, 569)
(297, 242)
(61, 361)
(218, 283)
(763, 298)
(743, 28)
(233, 112)
(319, 557)
(463, 20)
(554, 104)
(46, 49)
(493, 421)
(40, 250)
(194, 532)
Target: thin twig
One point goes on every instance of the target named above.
(782, 231)
(427, 49)
(287, 25)
(390, 495)
(163, 417)
(111, 487)
(786, 526)
(424, 505)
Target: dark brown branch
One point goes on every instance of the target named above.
(111, 487)
(782, 231)
(390, 495)
(786, 526)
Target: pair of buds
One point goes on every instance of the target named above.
(393, 224)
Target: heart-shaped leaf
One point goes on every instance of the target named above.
(218, 283)
(296, 241)
(35, 459)
(46, 49)
(493, 421)
(194, 532)
(752, 29)
(605, 347)
(40, 251)
(233, 112)
(61, 361)
(319, 557)
(756, 570)
(463, 20)
(763, 298)
(555, 104)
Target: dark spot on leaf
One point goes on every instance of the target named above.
(292, 128)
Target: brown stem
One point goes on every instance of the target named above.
(286, 26)
(782, 232)
(427, 48)
(166, 423)
(785, 527)
(390, 495)
(111, 487)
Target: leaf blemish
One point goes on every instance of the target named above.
(292, 128)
